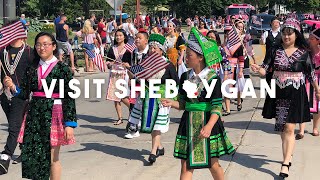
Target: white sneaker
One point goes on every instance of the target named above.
(132, 135)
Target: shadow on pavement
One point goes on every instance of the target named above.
(93, 119)
(120, 131)
(265, 127)
(256, 162)
(132, 154)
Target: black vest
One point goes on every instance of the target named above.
(271, 41)
(135, 59)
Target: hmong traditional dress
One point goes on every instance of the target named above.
(174, 45)
(136, 59)
(149, 112)
(272, 43)
(313, 102)
(117, 72)
(198, 152)
(46, 118)
(223, 66)
(236, 62)
(291, 103)
(247, 41)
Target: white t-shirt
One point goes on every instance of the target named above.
(128, 27)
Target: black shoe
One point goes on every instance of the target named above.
(284, 175)
(4, 164)
(17, 160)
(152, 158)
(160, 152)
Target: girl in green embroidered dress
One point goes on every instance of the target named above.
(201, 138)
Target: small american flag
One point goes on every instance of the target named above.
(149, 66)
(97, 60)
(234, 41)
(11, 33)
(136, 69)
(130, 47)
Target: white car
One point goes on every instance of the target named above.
(46, 21)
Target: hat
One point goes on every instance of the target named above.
(157, 40)
(316, 33)
(142, 30)
(206, 47)
(292, 23)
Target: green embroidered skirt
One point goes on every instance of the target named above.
(218, 144)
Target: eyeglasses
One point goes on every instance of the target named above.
(38, 45)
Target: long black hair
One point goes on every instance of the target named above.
(54, 42)
(124, 34)
(218, 40)
(300, 41)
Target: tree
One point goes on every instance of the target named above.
(73, 9)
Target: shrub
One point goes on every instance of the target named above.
(35, 26)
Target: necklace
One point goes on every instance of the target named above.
(11, 68)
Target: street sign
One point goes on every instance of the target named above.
(119, 3)
(111, 12)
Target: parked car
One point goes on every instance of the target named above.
(258, 24)
(45, 21)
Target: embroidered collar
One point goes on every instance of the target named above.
(12, 68)
(48, 62)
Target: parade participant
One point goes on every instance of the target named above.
(117, 71)
(140, 53)
(201, 138)
(62, 34)
(228, 27)
(150, 107)
(15, 59)
(223, 69)
(314, 43)
(272, 40)
(49, 122)
(236, 59)
(291, 65)
(203, 28)
(175, 44)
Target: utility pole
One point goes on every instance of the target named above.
(138, 11)
(9, 10)
(115, 10)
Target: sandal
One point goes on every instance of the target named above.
(226, 113)
(239, 107)
(315, 134)
(120, 121)
(284, 175)
(299, 136)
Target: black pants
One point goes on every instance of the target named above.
(14, 111)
